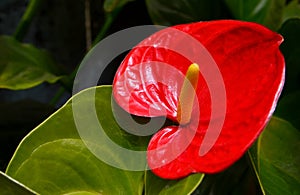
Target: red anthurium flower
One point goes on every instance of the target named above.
(219, 81)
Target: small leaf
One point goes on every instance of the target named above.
(163, 12)
(292, 10)
(290, 30)
(53, 159)
(23, 66)
(266, 12)
(10, 186)
(159, 186)
(276, 158)
(111, 5)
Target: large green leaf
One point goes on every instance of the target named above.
(165, 12)
(292, 10)
(159, 186)
(276, 158)
(290, 30)
(53, 159)
(10, 186)
(284, 111)
(23, 66)
(266, 12)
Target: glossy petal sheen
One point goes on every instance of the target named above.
(150, 78)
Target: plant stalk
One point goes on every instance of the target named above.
(26, 19)
(109, 19)
(88, 30)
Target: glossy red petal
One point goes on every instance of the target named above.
(148, 84)
(252, 69)
(165, 161)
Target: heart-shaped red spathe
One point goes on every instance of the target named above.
(246, 56)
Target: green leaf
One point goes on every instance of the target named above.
(53, 159)
(265, 12)
(159, 186)
(292, 10)
(290, 30)
(276, 158)
(283, 109)
(164, 12)
(23, 66)
(111, 5)
(10, 186)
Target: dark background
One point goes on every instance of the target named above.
(59, 28)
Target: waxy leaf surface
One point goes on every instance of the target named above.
(53, 159)
(265, 12)
(158, 186)
(162, 12)
(10, 186)
(23, 66)
(276, 159)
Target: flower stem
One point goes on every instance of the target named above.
(109, 19)
(57, 96)
(26, 19)
(187, 94)
(88, 29)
